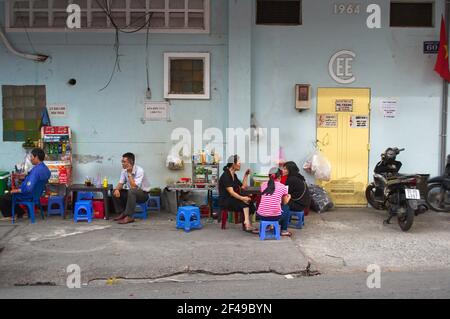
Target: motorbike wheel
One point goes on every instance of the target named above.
(437, 198)
(370, 196)
(406, 219)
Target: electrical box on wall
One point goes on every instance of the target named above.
(302, 97)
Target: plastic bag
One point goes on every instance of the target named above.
(174, 162)
(320, 201)
(321, 167)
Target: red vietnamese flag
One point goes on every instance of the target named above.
(441, 66)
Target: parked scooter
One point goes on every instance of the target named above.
(438, 192)
(399, 194)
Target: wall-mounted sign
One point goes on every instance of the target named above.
(389, 108)
(344, 105)
(340, 67)
(430, 47)
(359, 121)
(57, 110)
(327, 120)
(157, 111)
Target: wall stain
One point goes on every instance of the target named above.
(85, 159)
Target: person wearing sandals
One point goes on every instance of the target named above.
(229, 188)
(298, 189)
(273, 194)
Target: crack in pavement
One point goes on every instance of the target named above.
(301, 273)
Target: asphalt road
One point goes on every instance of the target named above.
(393, 285)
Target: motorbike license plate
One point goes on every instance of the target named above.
(412, 193)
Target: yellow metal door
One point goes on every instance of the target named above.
(343, 138)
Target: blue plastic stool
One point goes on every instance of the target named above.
(85, 195)
(30, 203)
(154, 203)
(86, 206)
(276, 230)
(300, 219)
(215, 201)
(143, 214)
(188, 217)
(55, 200)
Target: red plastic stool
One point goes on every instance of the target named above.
(224, 216)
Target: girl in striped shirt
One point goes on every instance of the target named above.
(273, 193)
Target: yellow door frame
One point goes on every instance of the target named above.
(346, 191)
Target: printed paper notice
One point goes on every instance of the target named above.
(157, 111)
(327, 120)
(389, 108)
(57, 110)
(344, 105)
(359, 121)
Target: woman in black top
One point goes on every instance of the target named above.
(298, 189)
(229, 188)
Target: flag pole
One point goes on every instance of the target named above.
(443, 157)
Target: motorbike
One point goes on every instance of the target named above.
(438, 191)
(403, 196)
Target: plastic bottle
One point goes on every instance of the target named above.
(203, 156)
(105, 182)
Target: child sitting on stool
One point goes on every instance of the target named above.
(273, 193)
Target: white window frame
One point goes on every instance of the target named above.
(87, 12)
(206, 76)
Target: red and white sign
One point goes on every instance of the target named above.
(56, 130)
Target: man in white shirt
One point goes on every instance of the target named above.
(132, 189)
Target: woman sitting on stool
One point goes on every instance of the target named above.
(229, 188)
(298, 189)
(273, 193)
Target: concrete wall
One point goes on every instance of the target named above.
(390, 61)
(108, 123)
(253, 69)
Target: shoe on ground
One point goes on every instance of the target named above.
(120, 217)
(126, 220)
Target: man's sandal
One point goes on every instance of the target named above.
(286, 233)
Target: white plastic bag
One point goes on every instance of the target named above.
(321, 166)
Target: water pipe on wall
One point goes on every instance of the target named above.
(444, 110)
(33, 57)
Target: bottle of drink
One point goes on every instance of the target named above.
(203, 157)
(59, 148)
(105, 182)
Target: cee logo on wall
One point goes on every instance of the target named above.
(340, 67)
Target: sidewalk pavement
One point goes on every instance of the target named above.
(40, 253)
(343, 240)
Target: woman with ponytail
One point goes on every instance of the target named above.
(229, 189)
(273, 194)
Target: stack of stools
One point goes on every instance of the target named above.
(188, 217)
(263, 234)
(57, 201)
(83, 207)
(300, 222)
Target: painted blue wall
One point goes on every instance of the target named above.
(390, 61)
(108, 123)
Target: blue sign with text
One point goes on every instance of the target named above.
(430, 47)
